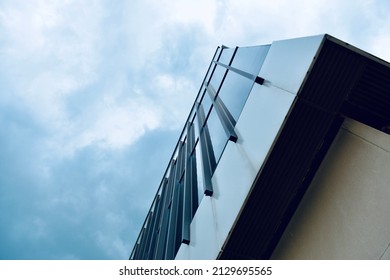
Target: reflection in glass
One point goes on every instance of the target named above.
(206, 103)
(217, 134)
(234, 92)
(196, 128)
(211, 69)
(250, 59)
(226, 55)
(199, 172)
(217, 77)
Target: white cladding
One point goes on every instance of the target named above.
(263, 115)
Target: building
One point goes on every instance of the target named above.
(284, 155)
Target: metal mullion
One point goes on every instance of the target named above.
(212, 66)
(161, 242)
(226, 72)
(208, 158)
(178, 238)
(224, 115)
(153, 231)
(138, 249)
(194, 186)
(171, 181)
(142, 244)
(189, 185)
(254, 78)
(158, 221)
(171, 232)
(234, 54)
(171, 235)
(135, 252)
(182, 159)
(162, 238)
(147, 233)
(153, 234)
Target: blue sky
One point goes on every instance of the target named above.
(93, 96)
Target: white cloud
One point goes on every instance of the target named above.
(102, 75)
(176, 94)
(121, 124)
(50, 50)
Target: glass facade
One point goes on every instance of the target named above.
(209, 127)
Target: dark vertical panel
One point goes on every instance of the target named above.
(156, 218)
(190, 192)
(179, 226)
(173, 223)
(208, 157)
(134, 253)
(162, 236)
(138, 245)
(226, 119)
(211, 68)
(174, 208)
(235, 90)
(146, 239)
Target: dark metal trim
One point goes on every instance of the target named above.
(162, 236)
(190, 202)
(209, 162)
(254, 78)
(227, 120)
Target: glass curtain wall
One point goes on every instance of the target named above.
(209, 127)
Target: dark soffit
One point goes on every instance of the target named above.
(343, 81)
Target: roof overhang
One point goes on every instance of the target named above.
(343, 81)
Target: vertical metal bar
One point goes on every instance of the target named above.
(134, 253)
(138, 249)
(247, 75)
(226, 119)
(190, 202)
(173, 223)
(179, 214)
(152, 252)
(194, 185)
(170, 251)
(162, 236)
(156, 226)
(208, 158)
(146, 239)
(153, 231)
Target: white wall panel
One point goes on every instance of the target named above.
(257, 128)
(203, 233)
(287, 62)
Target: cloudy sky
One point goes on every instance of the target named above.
(93, 96)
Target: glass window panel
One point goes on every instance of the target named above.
(199, 172)
(217, 53)
(217, 134)
(202, 91)
(192, 114)
(206, 103)
(212, 66)
(196, 127)
(234, 92)
(217, 77)
(250, 59)
(226, 56)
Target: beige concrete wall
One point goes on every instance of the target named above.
(345, 213)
